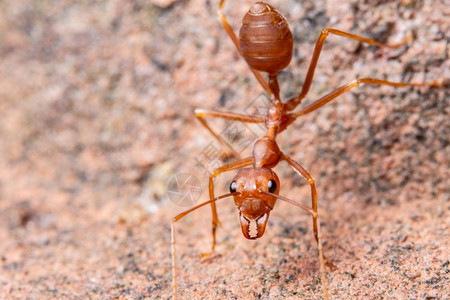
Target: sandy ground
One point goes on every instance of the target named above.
(97, 103)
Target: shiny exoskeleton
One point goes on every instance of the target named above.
(265, 39)
(266, 43)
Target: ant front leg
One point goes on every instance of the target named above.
(232, 35)
(294, 102)
(322, 259)
(178, 217)
(302, 172)
(215, 219)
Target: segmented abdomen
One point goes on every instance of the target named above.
(265, 39)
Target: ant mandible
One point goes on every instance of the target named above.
(266, 43)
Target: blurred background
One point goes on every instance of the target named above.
(97, 101)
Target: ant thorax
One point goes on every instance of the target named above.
(266, 153)
(277, 119)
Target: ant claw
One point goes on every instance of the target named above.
(330, 265)
(209, 257)
(207, 254)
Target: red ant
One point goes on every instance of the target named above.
(266, 43)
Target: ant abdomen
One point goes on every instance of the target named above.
(265, 39)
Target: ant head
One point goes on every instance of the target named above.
(254, 205)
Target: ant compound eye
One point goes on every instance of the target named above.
(272, 185)
(233, 187)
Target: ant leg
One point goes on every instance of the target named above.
(292, 103)
(215, 219)
(332, 95)
(322, 259)
(201, 114)
(178, 217)
(302, 172)
(232, 35)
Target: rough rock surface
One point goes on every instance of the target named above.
(97, 102)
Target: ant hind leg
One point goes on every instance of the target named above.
(232, 35)
(294, 102)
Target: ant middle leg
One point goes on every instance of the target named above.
(201, 114)
(343, 89)
(294, 102)
(232, 35)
